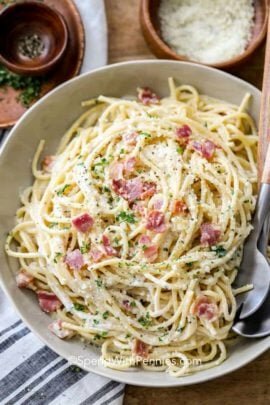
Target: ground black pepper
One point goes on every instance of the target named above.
(31, 46)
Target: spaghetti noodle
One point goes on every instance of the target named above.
(132, 232)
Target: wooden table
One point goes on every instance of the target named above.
(251, 384)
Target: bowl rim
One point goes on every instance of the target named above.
(147, 26)
(47, 65)
(124, 377)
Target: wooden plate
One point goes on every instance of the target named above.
(11, 108)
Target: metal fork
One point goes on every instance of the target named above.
(258, 324)
(254, 268)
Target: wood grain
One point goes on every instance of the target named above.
(251, 384)
(264, 127)
(266, 169)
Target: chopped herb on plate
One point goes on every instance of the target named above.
(30, 86)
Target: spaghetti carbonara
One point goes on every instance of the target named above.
(132, 233)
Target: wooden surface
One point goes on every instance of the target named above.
(264, 126)
(251, 384)
(10, 106)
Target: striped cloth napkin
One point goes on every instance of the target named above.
(31, 373)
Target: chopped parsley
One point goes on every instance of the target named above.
(85, 247)
(105, 315)
(145, 321)
(79, 307)
(102, 163)
(100, 335)
(180, 150)
(30, 86)
(99, 283)
(126, 217)
(116, 241)
(57, 257)
(133, 304)
(219, 250)
(62, 190)
(145, 134)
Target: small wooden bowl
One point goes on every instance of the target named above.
(23, 20)
(151, 29)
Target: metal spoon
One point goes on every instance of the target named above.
(258, 324)
(254, 268)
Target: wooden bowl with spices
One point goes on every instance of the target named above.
(33, 38)
(221, 34)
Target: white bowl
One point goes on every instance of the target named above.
(48, 119)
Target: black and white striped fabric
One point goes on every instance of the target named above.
(31, 373)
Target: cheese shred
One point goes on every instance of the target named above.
(207, 31)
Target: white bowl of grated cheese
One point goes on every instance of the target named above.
(222, 34)
(49, 119)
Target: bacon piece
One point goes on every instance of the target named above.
(83, 223)
(48, 301)
(56, 327)
(96, 255)
(156, 222)
(48, 163)
(206, 149)
(149, 189)
(131, 138)
(116, 171)
(151, 253)
(74, 259)
(178, 207)
(158, 203)
(139, 208)
(129, 165)
(147, 96)
(126, 305)
(128, 189)
(24, 279)
(210, 234)
(205, 308)
(140, 349)
(110, 251)
(183, 134)
(133, 189)
(145, 240)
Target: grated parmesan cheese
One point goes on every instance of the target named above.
(208, 31)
